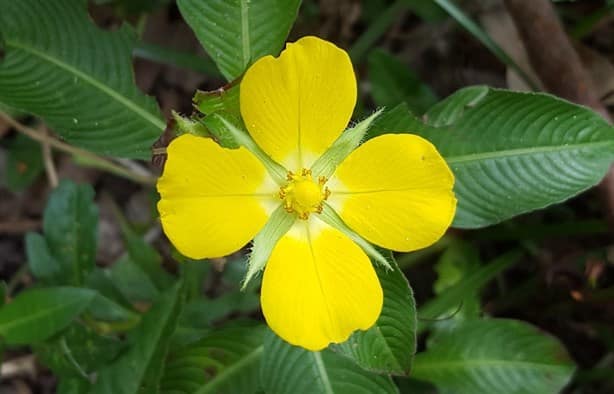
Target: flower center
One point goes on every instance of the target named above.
(302, 194)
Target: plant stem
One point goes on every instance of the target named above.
(89, 156)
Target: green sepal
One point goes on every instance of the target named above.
(220, 131)
(225, 98)
(326, 164)
(185, 125)
(276, 227)
(223, 123)
(330, 217)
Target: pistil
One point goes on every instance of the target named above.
(303, 195)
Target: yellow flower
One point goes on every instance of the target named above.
(394, 190)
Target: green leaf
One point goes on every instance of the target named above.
(220, 307)
(139, 274)
(101, 281)
(225, 361)
(290, 369)
(12, 112)
(395, 120)
(126, 8)
(233, 303)
(70, 225)
(3, 292)
(235, 33)
(36, 315)
(389, 346)
(24, 163)
(454, 296)
(71, 385)
(194, 273)
(131, 281)
(494, 356)
(77, 351)
(41, 262)
(460, 260)
(510, 152)
(109, 314)
(449, 110)
(58, 65)
(414, 386)
(393, 82)
(146, 258)
(139, 369)
(513, 153)
(223, 101)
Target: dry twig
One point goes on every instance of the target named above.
(64, 147)
(19, 226)
(52, 173)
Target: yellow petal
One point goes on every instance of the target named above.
(396, 191)
(319, 287)
(296, 105)
(212, 200)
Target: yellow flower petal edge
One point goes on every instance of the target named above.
(296, 105)
(319, 287)
(395, 191)
(212, 200)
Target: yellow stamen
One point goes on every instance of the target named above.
(302, 194)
